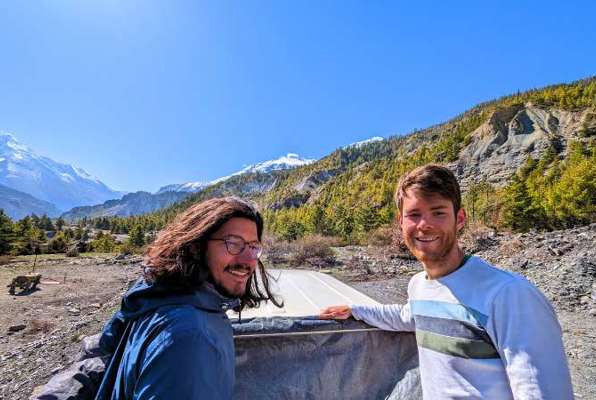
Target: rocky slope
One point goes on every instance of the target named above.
(511, 135)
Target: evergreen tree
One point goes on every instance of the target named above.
(6, 233)
(60, 223)
(136, 236)
(45, 223)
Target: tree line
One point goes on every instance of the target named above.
(39, 235)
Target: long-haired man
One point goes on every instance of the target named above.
(171, 339)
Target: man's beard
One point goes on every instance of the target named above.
(225, 292)
(448, 242)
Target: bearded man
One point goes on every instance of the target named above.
(171, 339)
(482, 332)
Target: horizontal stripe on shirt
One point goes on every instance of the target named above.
(441, 309)
(451, 327)
(457, 347)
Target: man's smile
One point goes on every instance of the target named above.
(239, 271)
(427, 239)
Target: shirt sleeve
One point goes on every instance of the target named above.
(389, 317)
(185, 365)
(528, 337)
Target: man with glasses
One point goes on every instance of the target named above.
(171, 339)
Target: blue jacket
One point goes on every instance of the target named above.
(179, 346)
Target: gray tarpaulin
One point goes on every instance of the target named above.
(306, 358)
(289, 358)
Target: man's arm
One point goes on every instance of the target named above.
(527, 334)
(390, 317)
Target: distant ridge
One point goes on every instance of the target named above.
(260, 177)
(63, 185)
(17, 204)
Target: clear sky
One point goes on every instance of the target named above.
(147, 93)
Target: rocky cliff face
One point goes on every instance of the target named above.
(512, 135)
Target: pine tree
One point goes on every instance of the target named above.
(6, 233)
(136, 237)
(60, 223)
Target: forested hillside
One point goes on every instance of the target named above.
(526, 161)
(350, 192)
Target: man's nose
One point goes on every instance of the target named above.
(424, 222)
(248, 256)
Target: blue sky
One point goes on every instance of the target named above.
(148, 93)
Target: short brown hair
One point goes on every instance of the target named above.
(430, 179)
(170, 259)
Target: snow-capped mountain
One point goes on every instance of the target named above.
(291, 160)
(364, 142)
(190, 187)
(63, 185)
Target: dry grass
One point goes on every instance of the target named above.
(311, 251)
(380, 237)
(314, 251)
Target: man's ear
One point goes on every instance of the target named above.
(460, 219)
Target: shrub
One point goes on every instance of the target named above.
(127, 248)
(58, 244)
(277, 251)
(314, 250)
(380, 237)
(104, 244)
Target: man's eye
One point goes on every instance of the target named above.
(234, 243)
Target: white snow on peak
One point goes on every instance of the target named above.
(290, 160)
(183, 187)
(66, 177)
(62, 184)
(84, 174)
(363, 142)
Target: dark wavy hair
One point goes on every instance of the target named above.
(171, 261)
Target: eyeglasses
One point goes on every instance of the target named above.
(235, 245)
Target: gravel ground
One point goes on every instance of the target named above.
(77, 296)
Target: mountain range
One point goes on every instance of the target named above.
(63, 186)
(30, 183)
(486, 145)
